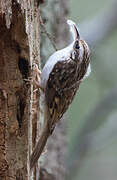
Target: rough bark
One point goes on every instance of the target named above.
(14, 66)
(16, 60)
(20, 48)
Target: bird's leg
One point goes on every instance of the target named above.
(36, 77)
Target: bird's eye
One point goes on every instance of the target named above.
(77, 46)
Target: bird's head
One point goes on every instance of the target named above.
(79, 46)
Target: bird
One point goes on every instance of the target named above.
(60, 80)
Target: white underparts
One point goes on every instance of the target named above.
(61, 55)
(88, 72)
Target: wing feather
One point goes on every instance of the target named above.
(61, 88)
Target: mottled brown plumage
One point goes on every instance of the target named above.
(60, 84)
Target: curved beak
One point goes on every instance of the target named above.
(77, 35)
(73, 29)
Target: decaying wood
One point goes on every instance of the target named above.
(17, 54)
(14, 66)
(19, 49)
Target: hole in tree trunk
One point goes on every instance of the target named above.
(23, 67)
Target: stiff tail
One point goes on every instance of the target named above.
(39, 147)
(41, 142)
(73, 29)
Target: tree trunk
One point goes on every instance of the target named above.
(19, 113)
(17, 54)
(14, 66)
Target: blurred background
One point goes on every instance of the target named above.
(92, 128)
(89, 132)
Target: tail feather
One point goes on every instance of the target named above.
(39, 147)
(42, 140)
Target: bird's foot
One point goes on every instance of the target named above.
(35, 79)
